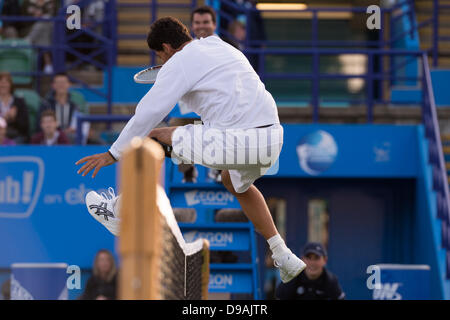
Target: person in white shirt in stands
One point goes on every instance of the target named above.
(220, 85)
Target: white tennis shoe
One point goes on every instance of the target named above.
(103, 208)
(289, 264)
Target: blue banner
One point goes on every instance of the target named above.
(235, 278)
(226, 238)
(403, 282)
(317, 150)
(43, 217)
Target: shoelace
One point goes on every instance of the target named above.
(276, 264)
(110, 196)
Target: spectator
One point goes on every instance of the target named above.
(4, 141)
(10, 8)
(10, 32)
(315, 282)
(102, 285)
(6, 290)
(50, 134)
(41, 33)
(39, 7)
(14, 110)
(253, 22)
(60, 102)
(203, 22)
(238, 32)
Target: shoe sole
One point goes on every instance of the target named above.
(303, 266)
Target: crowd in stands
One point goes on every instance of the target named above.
(55, 122)
(39, 33)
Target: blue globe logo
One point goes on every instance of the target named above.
(316, 152)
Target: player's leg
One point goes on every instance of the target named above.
(163, 134)
(255, 208)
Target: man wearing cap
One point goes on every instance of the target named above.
(316, 282)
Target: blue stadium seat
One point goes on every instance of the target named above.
(14, 59)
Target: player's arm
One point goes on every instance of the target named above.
(96, 161)
(170, 86)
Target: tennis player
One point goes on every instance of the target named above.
(218, 83)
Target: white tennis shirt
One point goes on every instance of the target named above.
(215, 80)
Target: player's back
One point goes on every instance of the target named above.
(225, 90)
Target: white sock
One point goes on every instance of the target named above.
(277, 245)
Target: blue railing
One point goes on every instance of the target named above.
(315, 76)
(223, 6)
(436, 157)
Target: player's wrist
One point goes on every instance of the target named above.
(112, 157)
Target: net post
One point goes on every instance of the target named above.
(140, 229)
(205, 269)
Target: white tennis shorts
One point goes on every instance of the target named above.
(246, 153)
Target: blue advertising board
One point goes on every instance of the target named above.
(39, 281)
(403, 282)
(43, 217)
(221, 236)
(232, 278)
(203, 198)
(318, 150)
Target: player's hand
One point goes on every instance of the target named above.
(96, 162)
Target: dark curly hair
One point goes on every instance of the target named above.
(167, 30)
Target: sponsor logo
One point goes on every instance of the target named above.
(220, 281)
(195, 197)
(18, 292)
(72, 196)
(388, 291)
(316, 152)
(20, 185)
(382, 152)
(216, 239)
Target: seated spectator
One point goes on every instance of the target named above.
(238, 32)
(102, 285)
(315, 282)
(10, 32)
(60, 102)
(10, 8)
(14, 110)
(4, 141)
(50, 134)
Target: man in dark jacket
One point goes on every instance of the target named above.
(316, 282)
(59, 101)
